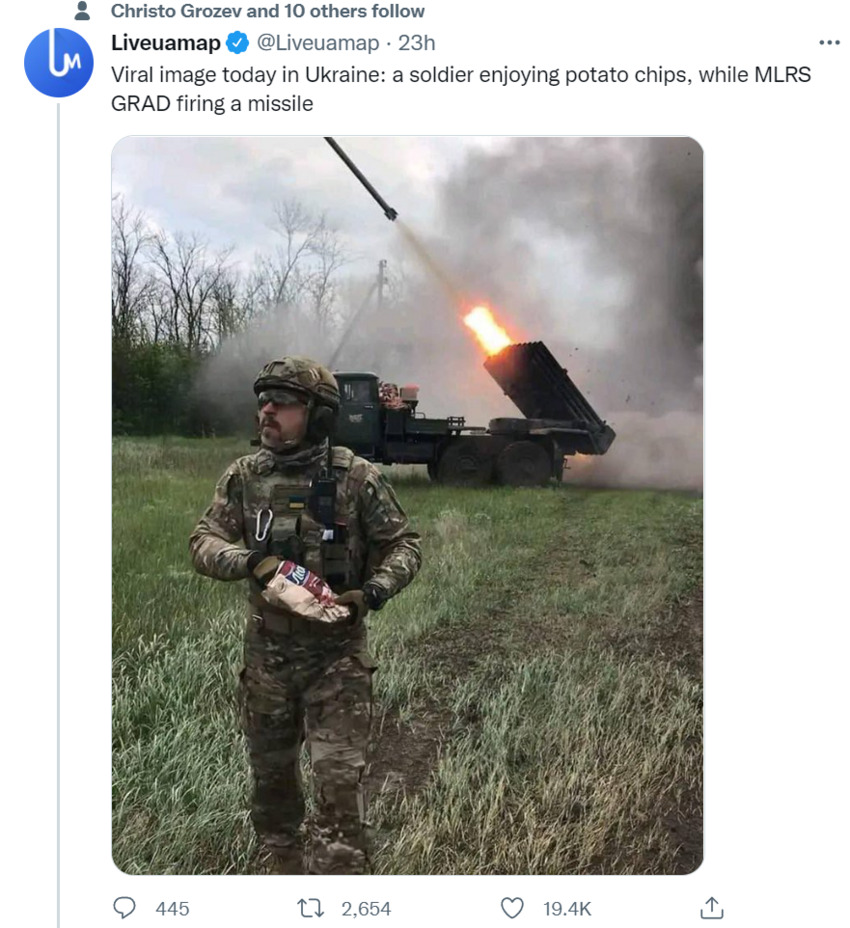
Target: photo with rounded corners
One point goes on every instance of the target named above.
(407, 505)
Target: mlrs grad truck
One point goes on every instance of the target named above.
(382, 422)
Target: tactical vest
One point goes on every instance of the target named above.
(278, 520)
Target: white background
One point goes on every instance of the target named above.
(776, 254)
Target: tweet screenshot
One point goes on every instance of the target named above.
(437, 441)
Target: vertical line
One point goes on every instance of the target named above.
(58, 488)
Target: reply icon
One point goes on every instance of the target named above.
(124, 906)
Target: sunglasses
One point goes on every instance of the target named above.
(280, 398)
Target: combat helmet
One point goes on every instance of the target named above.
(312, 380)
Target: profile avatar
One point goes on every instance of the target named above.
(58, 62)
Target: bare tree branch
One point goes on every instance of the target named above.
(131, 283)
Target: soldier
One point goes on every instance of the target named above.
(302, 499)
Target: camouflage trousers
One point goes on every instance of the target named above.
(314, 685)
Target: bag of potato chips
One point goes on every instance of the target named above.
(297, 590)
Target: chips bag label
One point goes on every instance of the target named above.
(296, 573)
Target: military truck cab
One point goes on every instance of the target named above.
(379, 421)
(359, 423)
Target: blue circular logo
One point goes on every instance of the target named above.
(58, 62)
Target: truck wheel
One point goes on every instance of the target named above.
(524, 464)
(432, 471)
(466, 464)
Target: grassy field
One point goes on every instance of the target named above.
(538, 702)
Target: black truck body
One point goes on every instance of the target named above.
(383, 424)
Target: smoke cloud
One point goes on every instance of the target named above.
(595, 247)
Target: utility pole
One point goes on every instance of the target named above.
(377, 286)
(382, 267)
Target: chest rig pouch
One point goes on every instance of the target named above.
(305, 520)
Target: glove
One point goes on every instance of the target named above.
(374, 595)
(356, 601)
(263, 568)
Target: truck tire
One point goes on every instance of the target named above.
(466, 462)
(524, 464)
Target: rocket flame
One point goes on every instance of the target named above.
(490, 334)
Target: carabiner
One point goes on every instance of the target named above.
(261, 532)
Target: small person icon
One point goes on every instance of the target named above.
(81, 6)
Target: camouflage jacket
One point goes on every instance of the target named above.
(262, 496)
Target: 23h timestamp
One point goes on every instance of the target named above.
(416, 43)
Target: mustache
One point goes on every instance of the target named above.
(269, 424)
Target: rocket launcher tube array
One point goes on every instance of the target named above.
(540, 388)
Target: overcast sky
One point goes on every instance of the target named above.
(224, 188)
